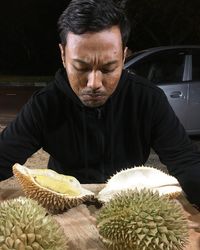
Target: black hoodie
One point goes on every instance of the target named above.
(93, 143)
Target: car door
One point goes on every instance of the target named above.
(194, 93)
(173, 83)
(166, 69)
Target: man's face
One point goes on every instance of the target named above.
(94, 62)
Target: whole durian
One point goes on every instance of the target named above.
(25, 225)
(142, 220)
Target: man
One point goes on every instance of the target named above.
(95, 119)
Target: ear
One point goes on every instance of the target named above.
(125, 53)
(62, 53)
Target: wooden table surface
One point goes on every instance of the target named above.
(79, 223)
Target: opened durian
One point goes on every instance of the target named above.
(142, 220)
(25, 225)
(54, 191)
(140, 177)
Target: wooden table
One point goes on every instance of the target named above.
(79, 223)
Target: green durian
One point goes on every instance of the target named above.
(25, 225)
(142, 220)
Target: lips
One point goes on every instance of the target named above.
(93, 96)
(93, 99)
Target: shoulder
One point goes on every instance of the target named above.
(49, 95)
(141, 82)
(45, 105)
(141, 87)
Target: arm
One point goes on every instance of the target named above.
(176, 150)
(20, 139)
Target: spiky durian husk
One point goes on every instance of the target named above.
(142, 220)
(53, 201)
(25, 225)
(141, 177)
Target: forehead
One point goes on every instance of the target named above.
(108, 42)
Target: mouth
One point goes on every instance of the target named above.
(93, 96)
(93, 100)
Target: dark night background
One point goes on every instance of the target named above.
(29, 40)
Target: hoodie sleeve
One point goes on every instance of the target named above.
(20, 139)
(176, 150)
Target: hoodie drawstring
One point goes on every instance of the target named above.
(85, 144)
(111, 137)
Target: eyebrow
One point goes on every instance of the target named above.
(87, 64)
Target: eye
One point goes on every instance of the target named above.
(106, 71)
(81, 69)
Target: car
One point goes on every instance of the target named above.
(176, 70)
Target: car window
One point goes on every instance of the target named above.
(196, 67)
(161, 68)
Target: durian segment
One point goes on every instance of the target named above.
(24, 224)
(142, 220)
(62, 186)
(140, 177)
(53, 191)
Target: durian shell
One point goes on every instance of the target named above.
(24, 224)
(53, 201)
(142, 220)
(140, 177)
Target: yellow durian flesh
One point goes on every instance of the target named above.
(54, 191)
(62, 185)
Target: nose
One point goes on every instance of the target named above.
(94, 80)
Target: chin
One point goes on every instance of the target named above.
(93, 104)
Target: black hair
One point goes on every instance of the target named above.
(83, 16)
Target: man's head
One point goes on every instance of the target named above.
(93, 37)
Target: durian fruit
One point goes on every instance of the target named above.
(25, 225)
(142, 220)
(140, 177)
(55, 192)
